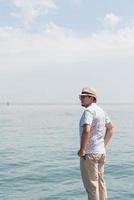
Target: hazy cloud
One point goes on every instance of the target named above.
(33, 3)
(29, 10)
(111, 20)
(59, 45)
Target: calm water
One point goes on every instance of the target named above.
(38, 146)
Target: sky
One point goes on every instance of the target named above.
(51, 49)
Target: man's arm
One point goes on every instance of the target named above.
(84, 139)
(109, 133)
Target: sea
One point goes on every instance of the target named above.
(38, 152)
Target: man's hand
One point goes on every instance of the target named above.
(81, 153)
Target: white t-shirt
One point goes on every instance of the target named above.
(97, 119)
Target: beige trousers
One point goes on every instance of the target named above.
(92, 170)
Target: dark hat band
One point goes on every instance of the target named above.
(87, 93)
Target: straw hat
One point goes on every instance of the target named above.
(88, 91)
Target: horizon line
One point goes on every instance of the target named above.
(8, 103)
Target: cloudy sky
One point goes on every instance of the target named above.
(50, 49)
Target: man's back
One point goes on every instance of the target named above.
(96, 118)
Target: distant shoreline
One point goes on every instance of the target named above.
(58, 104)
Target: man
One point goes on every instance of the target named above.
(95, 132)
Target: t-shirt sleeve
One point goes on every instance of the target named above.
(87, 117)
(107, 119)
